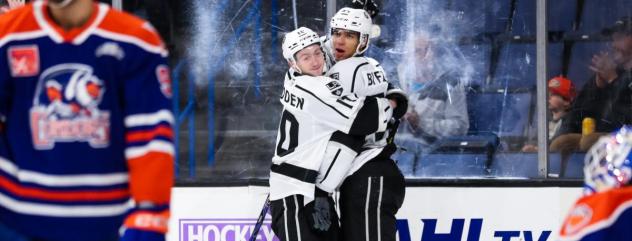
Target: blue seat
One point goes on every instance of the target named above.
(555, 163)
(575, 166)
(517, 64)
(475, 17)
(505, 114)
(479, 56)
(580, 60)
(451, 165)
(521, 165)
(599, 14)
(561, 14)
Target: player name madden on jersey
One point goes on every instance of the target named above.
(292, 99)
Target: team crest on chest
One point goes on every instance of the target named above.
(24, 60)
(66, 108)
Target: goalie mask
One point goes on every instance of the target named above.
(356, 20)
(607, 163)
(296, 41)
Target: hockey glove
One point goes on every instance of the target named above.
(146, 224)
(318, 213)
(402, 102)
(368, 5)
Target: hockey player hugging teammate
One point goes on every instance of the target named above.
(313, 109)
(373, 188)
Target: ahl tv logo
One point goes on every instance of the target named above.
(223, 230)
(65, 108)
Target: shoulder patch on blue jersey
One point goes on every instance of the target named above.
(24, 60)
(164, 79)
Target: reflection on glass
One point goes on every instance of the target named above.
(469, 67)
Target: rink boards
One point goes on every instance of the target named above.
(428, 213)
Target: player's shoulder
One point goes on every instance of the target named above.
(372, 61)
(19, 20)
(319, 85)
(591, 211)
(122, 26)
(354, 64)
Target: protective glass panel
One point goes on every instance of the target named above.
(594, 40)
(469, 68)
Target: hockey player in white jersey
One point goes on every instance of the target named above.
(372, 180)
(314, 108)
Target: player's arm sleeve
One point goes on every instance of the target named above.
(372, 117)
(149, 134)
(341, 150)
(350, 113)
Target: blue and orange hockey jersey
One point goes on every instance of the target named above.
(86, 122)
(600, 217)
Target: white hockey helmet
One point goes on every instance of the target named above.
(608, 163)
(297, 40)
(356, 20)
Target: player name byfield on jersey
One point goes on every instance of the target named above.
(292, 99)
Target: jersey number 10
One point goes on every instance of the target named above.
(287, 118)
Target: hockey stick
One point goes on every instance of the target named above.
(262, 215)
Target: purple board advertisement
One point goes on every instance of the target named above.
(223, 230)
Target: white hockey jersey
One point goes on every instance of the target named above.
(314, 108)
(362, 76)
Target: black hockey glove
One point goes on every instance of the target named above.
(402, 102)
(368, 5)
(318, 212)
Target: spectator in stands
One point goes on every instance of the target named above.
(606, 97)
(434, 82)
(561, 96)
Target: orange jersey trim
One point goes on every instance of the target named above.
(19, 20)
(38, 193)
(148, 135)
(128, 25)
(151, 177)
(69, 35)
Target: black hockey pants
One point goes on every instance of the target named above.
(369, 200)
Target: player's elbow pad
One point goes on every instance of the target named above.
(401, 98)
(372, 117)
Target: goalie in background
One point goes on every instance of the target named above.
(604, 212)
